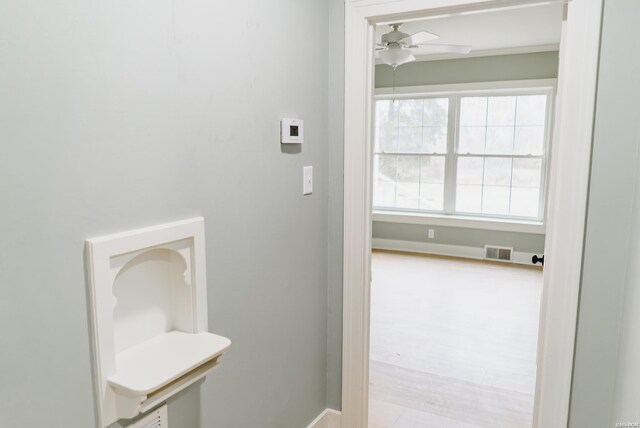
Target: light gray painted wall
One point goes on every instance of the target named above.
(627, 386)
(336, 147)
(610, 220)
(116, 115)
(525, 242)
(541, 65)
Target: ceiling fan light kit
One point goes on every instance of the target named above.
(395, 46)
(396, 56)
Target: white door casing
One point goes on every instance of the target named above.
(568, 186)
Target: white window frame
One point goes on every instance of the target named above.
(454, 92)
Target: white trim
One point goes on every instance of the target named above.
(451, 162)
(465, 222)
(567, 205)
(568, 183)
(523, 258)
(474, 87)
(488, 52)
(476, 253)
(461, 251)
(329, 418)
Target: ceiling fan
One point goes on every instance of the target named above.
(395, 46)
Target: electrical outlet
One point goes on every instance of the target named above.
(431, 233)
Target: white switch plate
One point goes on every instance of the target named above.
(307, 180)
(432, 233)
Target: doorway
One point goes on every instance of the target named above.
(567, 197)
(460, 164)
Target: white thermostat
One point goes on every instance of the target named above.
(291, 131)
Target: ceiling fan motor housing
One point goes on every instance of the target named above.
(393, 37)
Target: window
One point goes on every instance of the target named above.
(481, 154)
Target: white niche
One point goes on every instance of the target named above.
(149, 317)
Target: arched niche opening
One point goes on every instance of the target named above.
(153, 296)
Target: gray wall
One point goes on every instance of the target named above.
(611, 219)
(116, 115)
(113, 117)
(525, 242)
(627, 387)
(336, 147)
(541, 65)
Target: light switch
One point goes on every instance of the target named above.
(307, 180)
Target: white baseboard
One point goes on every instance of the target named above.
(329, 418)
(523, 258)
(477, 253)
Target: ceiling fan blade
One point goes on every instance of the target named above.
(458, 49)
(419, 38)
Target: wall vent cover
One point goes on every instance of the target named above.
(155, 419)
(501, 254)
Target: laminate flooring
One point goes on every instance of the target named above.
(453, 342)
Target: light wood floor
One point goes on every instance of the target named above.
(453, 342)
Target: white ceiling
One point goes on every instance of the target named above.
(527, 29)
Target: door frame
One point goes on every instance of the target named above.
(568, 188)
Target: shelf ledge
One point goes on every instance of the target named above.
(153, 364)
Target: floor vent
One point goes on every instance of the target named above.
(155, 419)
(501, 254)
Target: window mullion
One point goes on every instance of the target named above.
(451, 157)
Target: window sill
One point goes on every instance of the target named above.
(505, 225)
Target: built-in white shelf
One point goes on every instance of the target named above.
(153, 364)
(149, 312)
